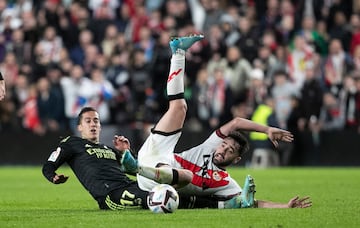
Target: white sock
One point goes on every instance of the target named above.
(163, 175)
(175, 83)
(221, 205)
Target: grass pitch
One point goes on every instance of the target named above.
(27, 199)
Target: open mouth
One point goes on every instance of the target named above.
(219, 157)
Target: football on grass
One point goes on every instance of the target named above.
(163, 198)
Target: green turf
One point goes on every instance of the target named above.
(28, 200)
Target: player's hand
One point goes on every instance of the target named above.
(121, 143)
(276, 134)
(297, 202)
(60, 178)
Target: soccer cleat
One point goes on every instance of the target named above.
(184, 43)
(129, 163)
(248, 192)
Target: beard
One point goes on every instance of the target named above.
(221, 163)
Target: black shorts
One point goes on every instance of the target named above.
(128, 197)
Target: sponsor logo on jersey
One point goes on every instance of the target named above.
(101, 153)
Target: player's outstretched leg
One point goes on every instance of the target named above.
(167, 175)
(184, 43)
(163, 175)
(170, 123)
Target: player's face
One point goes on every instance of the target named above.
(226, 153)
(89, 126)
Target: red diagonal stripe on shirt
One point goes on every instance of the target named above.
(173, 74)
(199, 180)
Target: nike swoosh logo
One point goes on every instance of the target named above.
(87, 145)
(173, 74)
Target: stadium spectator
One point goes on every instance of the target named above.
(103, 93)
(2, 87)
(146, 42)
(91, 56)
(77, 53)
(331, 115)
(237, 71)
(267, 62)
(248, 41)
(29, 112)
(109, 42)
(21, 48)
(341, 30)
(337, 65)
(200, 107)
(350, 98)
(51, 45)
(49, 106)
(220, 98)
(10, 68)
(264, 154)
(355, 30)
(258, 90)
(282, 92)
(76, 94)
(311, 95)
(140, 84)
(299, 57)
(159, 67)
(216, 40)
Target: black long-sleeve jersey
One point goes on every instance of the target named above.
(95, 165)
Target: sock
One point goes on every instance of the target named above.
(175, 83)
(221, 204)
(191, 201)
(163, 175)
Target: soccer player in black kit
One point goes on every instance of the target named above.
(96, 165)
(99, 169)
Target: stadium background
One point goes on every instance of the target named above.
(119, 49)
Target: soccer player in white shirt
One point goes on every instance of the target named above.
(201, 170)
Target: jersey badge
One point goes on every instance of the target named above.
(54, 155)
(216, 176)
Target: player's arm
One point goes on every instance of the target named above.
(128, 162)
(55, 160)
(295, 202)
(273, 133)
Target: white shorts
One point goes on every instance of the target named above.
(157, 149)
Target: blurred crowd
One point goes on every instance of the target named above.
(296, 60)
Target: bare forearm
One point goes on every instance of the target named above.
(295, 202)
(243, 124)
(269, 204)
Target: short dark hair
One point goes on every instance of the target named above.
(84, 110)
(241, 139)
